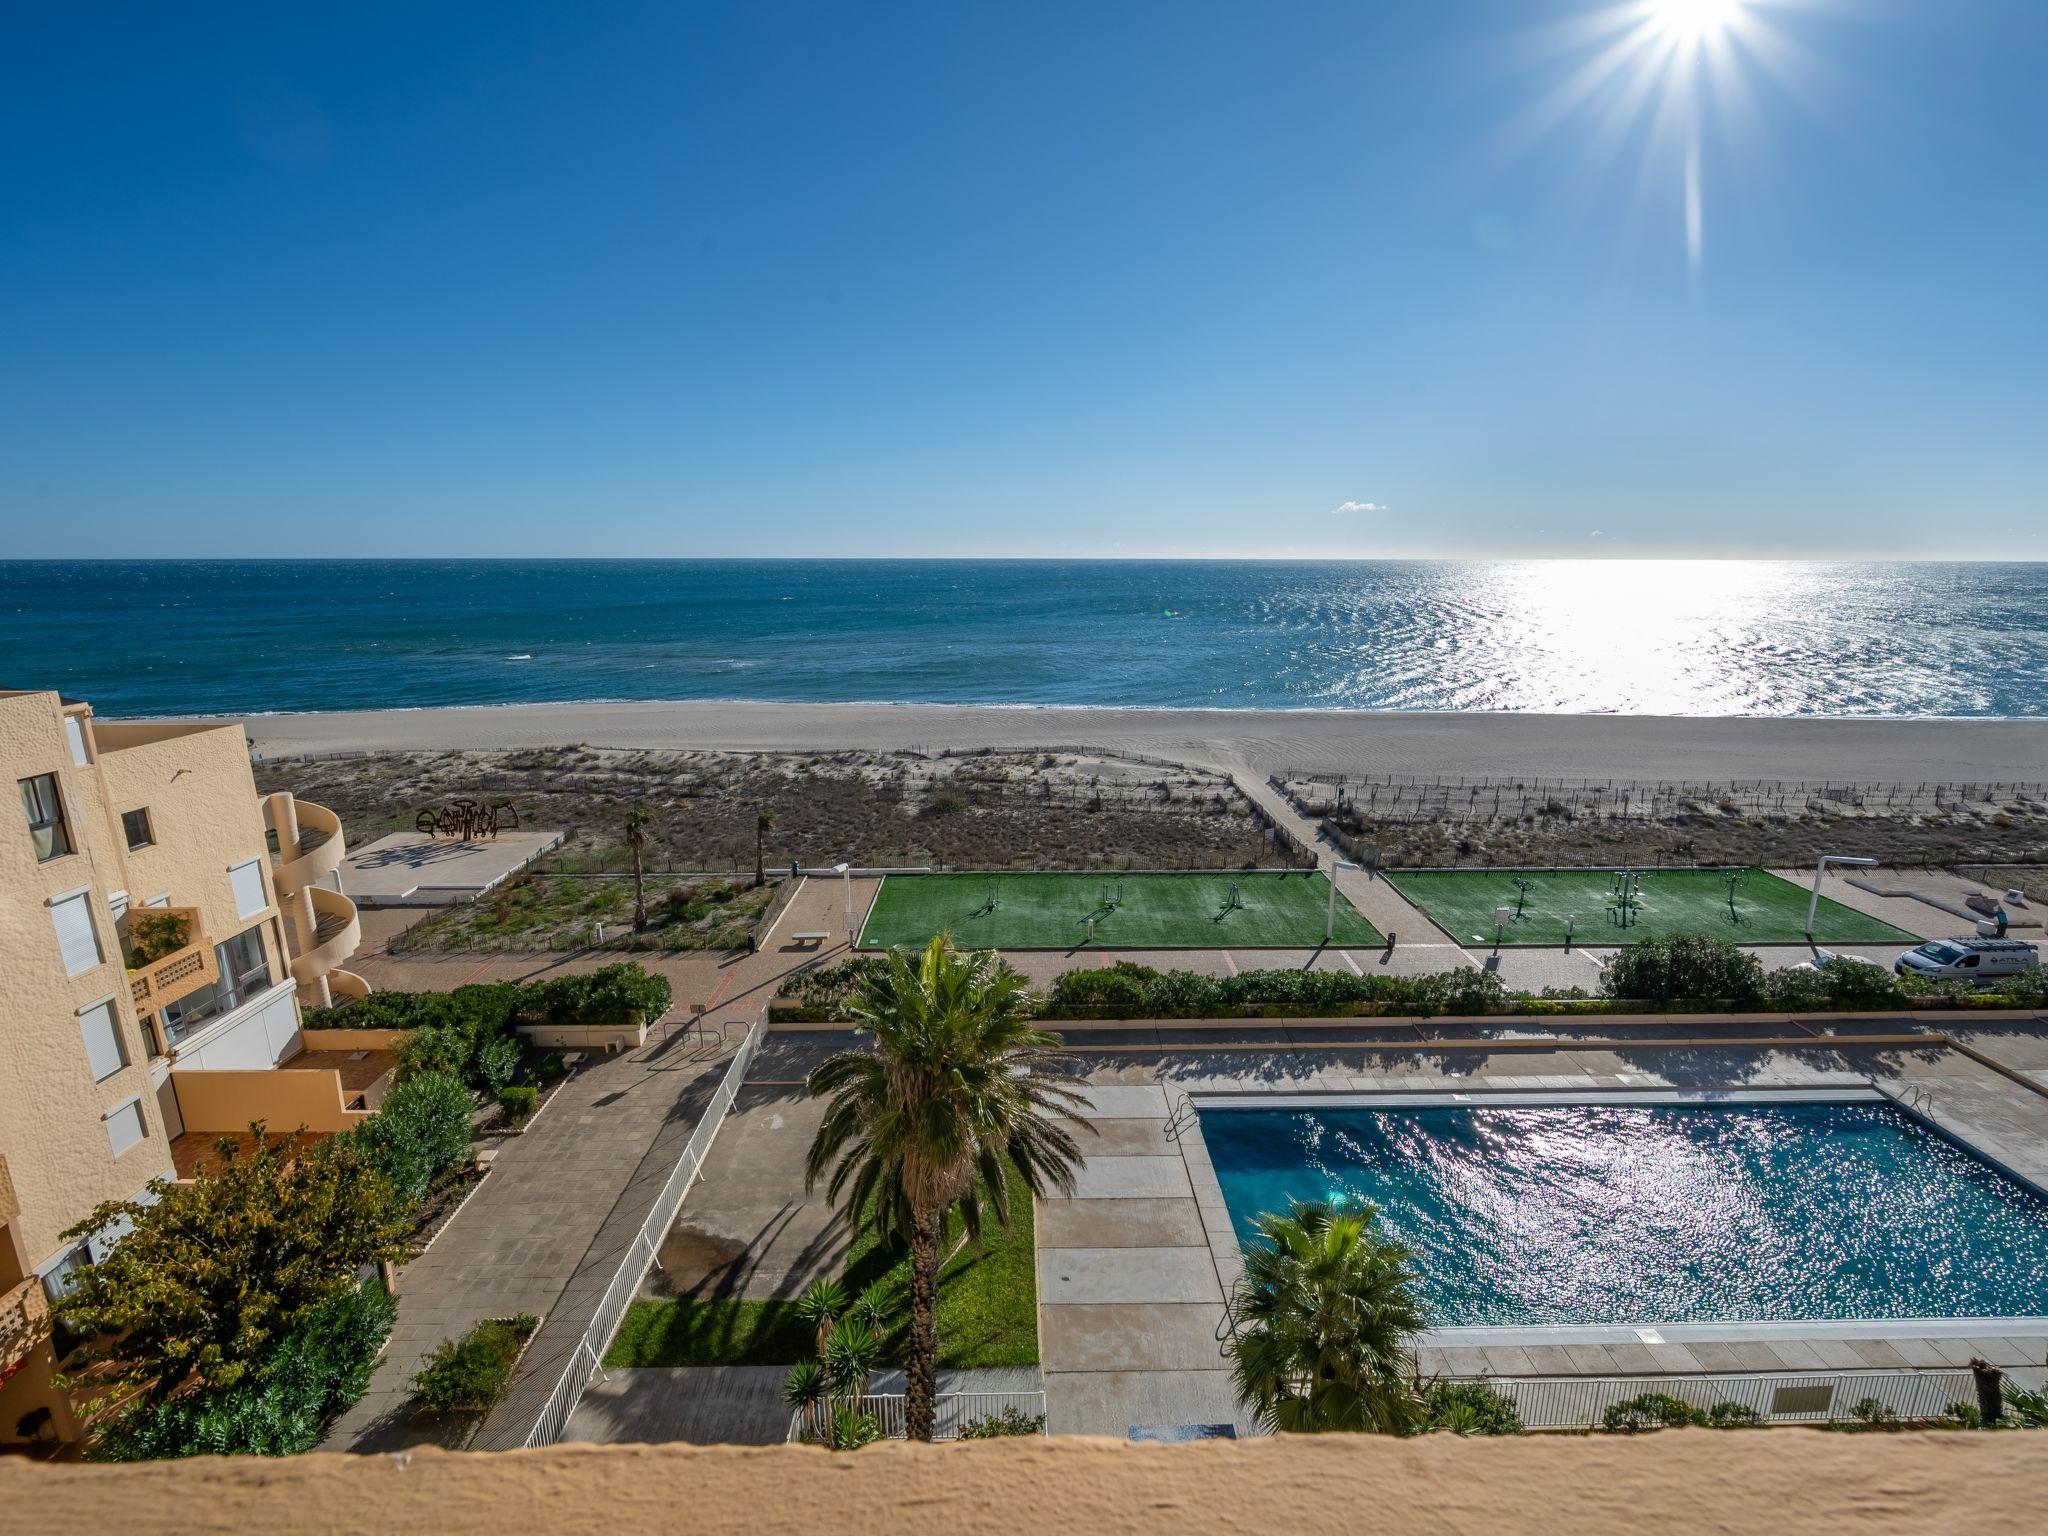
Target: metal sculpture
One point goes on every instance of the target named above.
(465, 819)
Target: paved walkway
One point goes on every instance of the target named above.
(542, 1228)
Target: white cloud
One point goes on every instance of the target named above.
(1359, 506)
(1594, 534)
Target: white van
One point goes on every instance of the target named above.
(1968, 959)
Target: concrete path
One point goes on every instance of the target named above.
(541, 1234)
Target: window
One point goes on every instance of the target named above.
(247, 883)
(45, 809)
(244, 972)
(76, 937)
(102, 1030)
(125, 1127)
(135, 824)
(74, 733)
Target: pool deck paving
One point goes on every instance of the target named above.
(1130, 1339)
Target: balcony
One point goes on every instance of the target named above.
(317, 854)
(24, 1323)
(337, 933)
(180, 973)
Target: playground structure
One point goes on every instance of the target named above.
(466, 819)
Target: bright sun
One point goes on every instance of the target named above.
(1695, 21)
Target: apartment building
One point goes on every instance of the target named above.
(160, 925)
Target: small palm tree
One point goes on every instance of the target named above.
(959, 1088)
(1324, 1316)
(762, 823)
(636, 839)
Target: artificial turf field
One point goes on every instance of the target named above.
(1767, 909)
(1277, 909)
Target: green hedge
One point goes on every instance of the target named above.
(470, 1033)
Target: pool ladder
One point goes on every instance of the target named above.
(1181, 1118)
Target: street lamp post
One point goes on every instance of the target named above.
(1813, 906)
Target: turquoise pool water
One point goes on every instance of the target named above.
(1672, 1213)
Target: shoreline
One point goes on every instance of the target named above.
(1854, 749)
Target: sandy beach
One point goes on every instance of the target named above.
(1593, 746)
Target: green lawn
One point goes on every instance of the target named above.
(1766, 910)
(1274, 910)
(988, 1310)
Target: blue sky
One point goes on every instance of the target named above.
(1184, 278)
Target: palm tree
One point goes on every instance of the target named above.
(821, 1305)
(636, 839)
(959, 1089)
(762, 823)
(1322, 1321)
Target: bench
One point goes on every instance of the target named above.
(812, 940)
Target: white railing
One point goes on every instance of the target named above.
(953, 1409)
(1795, 1397)
(639, 1255)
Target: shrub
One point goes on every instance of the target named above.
(519, 1101)
(496, 1063)
(469, 1374)
(153, 934)
(998, 1426)
(622, 994)
(1648, 1411)
(1735, 1416)
(422, 1130)
(1684, 967)
(1469, 1408)
(214, 1274)
(1875, 1412)
(319, 1370)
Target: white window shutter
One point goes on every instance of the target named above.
(102, 1030)
(74, 732)
(125, 1128)
(76, 936)
(247, 882)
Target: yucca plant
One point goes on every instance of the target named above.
(806, 1390)
(820, 1305)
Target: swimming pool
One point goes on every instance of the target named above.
(1640, 1213)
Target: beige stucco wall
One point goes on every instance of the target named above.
(51, 1127)
(1785, 1482)
(213, 1102)
(206, 816)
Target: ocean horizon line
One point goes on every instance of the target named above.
(1583, 558)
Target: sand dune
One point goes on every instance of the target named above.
(1599, 746)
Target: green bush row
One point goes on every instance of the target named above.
(1678, 972)
(471, 1033)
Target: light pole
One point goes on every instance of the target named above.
(1330, 916)
(1813, 906)
(845, 874)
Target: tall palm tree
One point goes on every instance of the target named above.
(636, 839)
(959, 1088)
(762, 823)
(1323, 1319)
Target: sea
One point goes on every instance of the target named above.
(1671, 637)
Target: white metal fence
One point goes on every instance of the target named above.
(954, 1409)
(1798, 1397)
(639, 1255)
